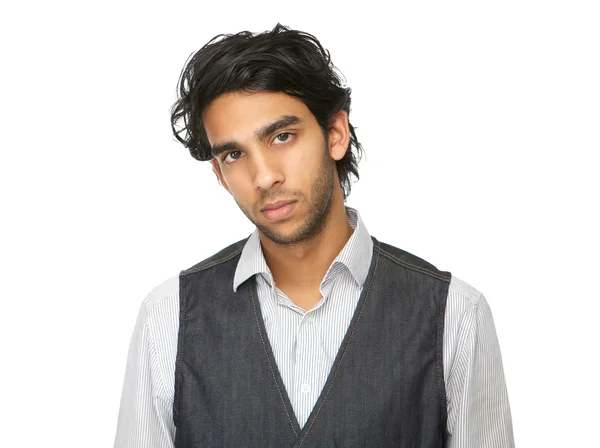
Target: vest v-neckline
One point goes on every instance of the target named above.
(302, 433)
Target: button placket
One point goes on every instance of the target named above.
(304, 386)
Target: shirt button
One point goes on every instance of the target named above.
(310, 319)
(305, 388)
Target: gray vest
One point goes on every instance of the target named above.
(385, 388)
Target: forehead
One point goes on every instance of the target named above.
(236, 115)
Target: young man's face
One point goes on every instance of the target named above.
(290, 161)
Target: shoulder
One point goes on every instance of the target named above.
(462, 304)
(467, 311)
(410, 261)
(221, 256)
(162, 294)
(158, 322)
(460, 320)
(166, 293)
(463, 293)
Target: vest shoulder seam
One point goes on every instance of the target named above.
(413, 267)
(210, 263)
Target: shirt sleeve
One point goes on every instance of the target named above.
(145, 413)
(478, 388)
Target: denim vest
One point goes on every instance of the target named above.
(385, 388)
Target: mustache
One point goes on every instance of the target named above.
(279, 195)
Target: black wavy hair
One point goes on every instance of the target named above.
(281, 60)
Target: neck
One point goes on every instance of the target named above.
(304, 265)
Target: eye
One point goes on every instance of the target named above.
(224, 159)
(286, 138)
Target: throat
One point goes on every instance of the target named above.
(302, 297)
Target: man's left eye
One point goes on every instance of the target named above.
(285, 136)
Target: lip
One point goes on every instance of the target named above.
(275, 205)
(284, 208)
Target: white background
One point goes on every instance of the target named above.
(480, 123)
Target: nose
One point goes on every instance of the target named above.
(267, 171)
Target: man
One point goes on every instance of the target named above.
(310, 332)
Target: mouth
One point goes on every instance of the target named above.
(278, 210)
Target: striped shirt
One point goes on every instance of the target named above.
(305, 344)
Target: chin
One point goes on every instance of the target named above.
(279, 236)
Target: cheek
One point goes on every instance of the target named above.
(233, 183)
(239, 188)
(306, 162)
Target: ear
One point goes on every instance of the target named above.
(217, 170)
(338, 135)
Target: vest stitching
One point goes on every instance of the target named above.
(413, 267)
(214, 262)
(181, 356)
(345, 349)
(439, 372)
(270, 366)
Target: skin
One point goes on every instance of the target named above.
(294, 162)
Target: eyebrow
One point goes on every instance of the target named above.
(260, 134)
